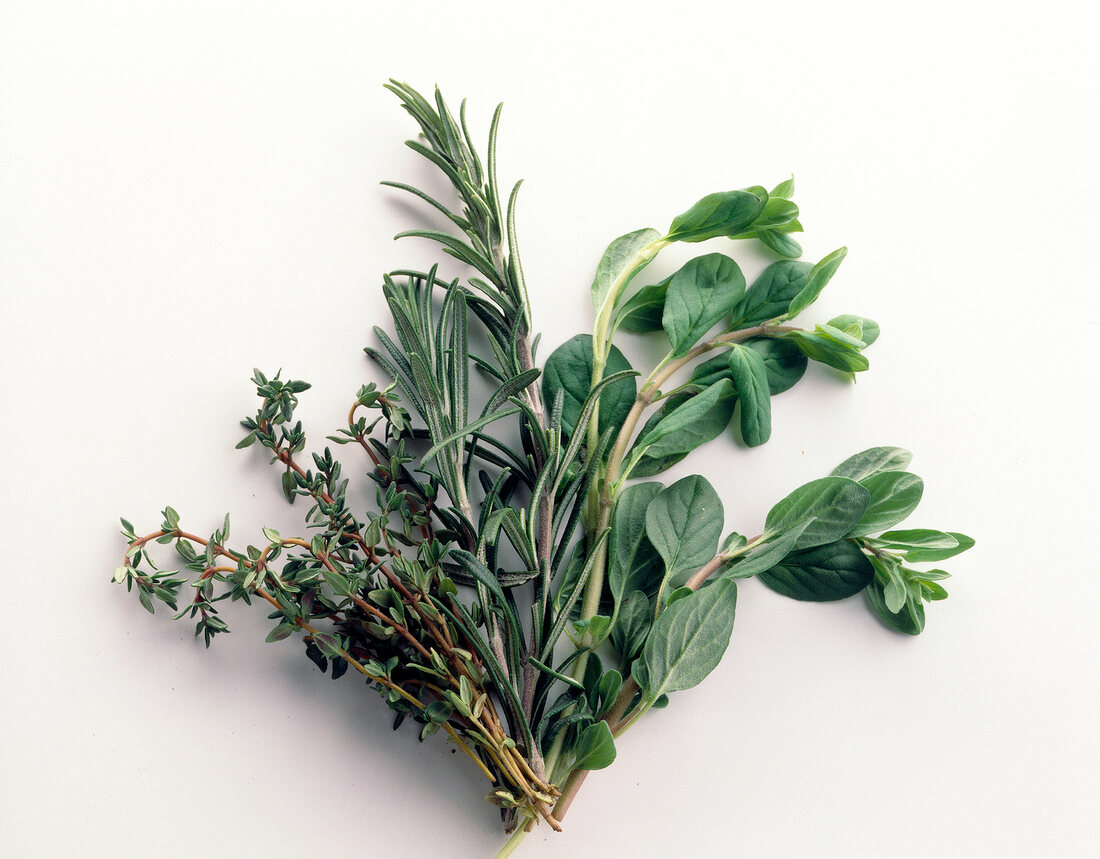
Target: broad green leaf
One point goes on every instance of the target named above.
(916, 539)
(684, 524)
(687, 641)
(894, 495)
(569, 370)
(783, 361)
(833, 571)
(784, 189)
(642, 312)
(690, 424)
(726, 213)
(631, 626)
(613, 265)
(633, 562)
(781, 243)
(909, 619)
(771, 294)
(924, 555)
(818, 278)
(819, 346)
(863, 329)
(750, 377)
(595, 748)
(873, 461)
(766, 555)
(777, 212)
(832, 504)
(699, 295)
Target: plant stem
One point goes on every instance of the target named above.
(512, 843)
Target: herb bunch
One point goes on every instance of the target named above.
(517, 585)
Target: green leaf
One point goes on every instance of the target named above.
(699, 295)
(894, 495)
(924, 554)
(784, 189)
(909, 618)
(873, 461)
(767, 554)
(860, 327)
(613, 265)
(289, 485)
(784, 362)
(689, 425)
(818, 278)
(642, 312)
(917, 539)
(833, 505)
(634, 616)
(833, 571)
(569, 369)
(634, 564)
(283, 630)
(684, 524)
(750, 377)
(771, 294)
(687, 641)
(595, 748)
(781, 243)
(821, 347)
(726, 213)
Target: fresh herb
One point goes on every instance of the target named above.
(531, 599)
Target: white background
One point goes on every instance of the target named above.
(191, 190)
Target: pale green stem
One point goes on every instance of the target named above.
(514, 841)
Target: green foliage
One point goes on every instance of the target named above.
(833, 571)
(488, 568)
(698, 296)
(684, 523)
(687, 641)
(569, 370)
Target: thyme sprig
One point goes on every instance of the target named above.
(534, 599)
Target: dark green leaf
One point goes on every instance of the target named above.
(771, 294)
(642, 312)
(894, 495)
(633, 563)
(595, 748)
(634, 617)
(833, 571)
(832, 504)
(766, 555)
(781, 243)
(784, 362)
(690, 424)
(569, 369)
(699, 295)
(726, 213)
(684, 524)
(818, 278)
(750, 377)
(909, 619)
(873, 461)
(687, 641)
